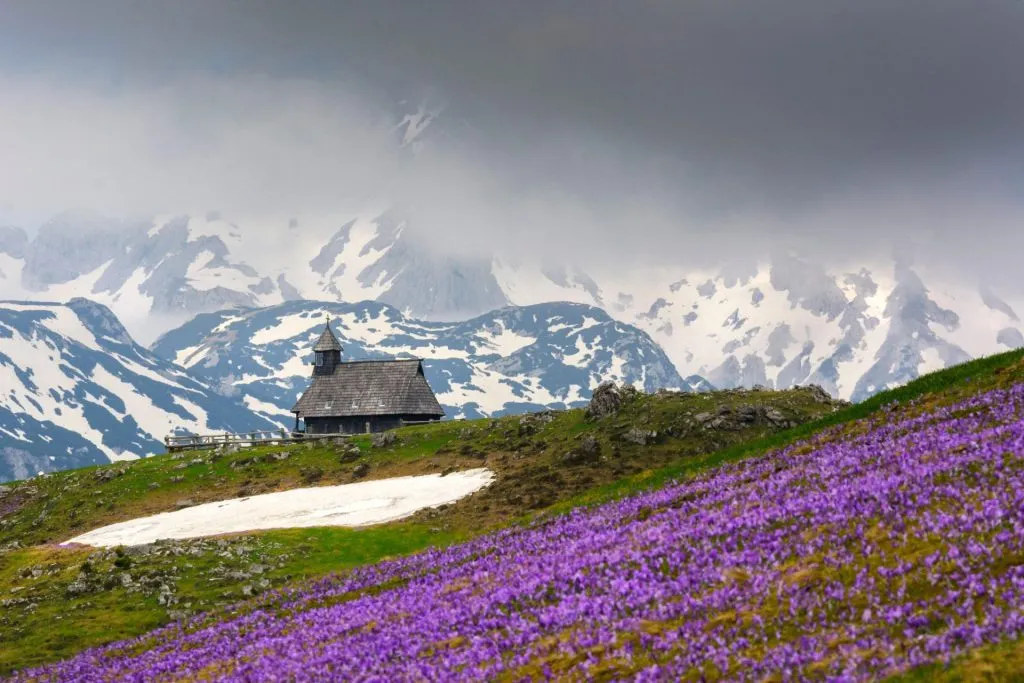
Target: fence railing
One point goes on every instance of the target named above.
(183, 442)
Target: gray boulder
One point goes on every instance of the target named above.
(606, 400)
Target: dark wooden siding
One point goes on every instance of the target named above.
(360, 424)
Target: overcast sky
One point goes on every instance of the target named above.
(670, 130)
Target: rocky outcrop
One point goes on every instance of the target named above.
(606, 400)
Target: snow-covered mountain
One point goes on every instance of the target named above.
(788, 321)
(509, 360)
(76, 390)
(784, 320)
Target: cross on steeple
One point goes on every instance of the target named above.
(327, 350)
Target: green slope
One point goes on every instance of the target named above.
(57, 601)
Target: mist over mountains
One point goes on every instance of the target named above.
(781, 321)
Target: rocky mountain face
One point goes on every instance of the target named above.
(781, 321)
(507, 361)
(76, 390)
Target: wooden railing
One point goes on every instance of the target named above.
(182, 442)
(189, 442)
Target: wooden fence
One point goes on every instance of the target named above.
(281, 436)
(201, 441)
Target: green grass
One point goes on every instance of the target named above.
(525, 453)
(1001, 663)
(944, 386)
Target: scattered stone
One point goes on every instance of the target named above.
(703, 418)
(774, 416)
(198, 461)
(465, 433)
(311, 474)
(184, 503)
(107, 474)
(384, 439)
(349, 456)
(283, 455)
(361, 470)
(641, 437)
(606, 400)
(182, 466)
(446, 471)
(177, 480)
(818, 394)
(589, 450)
(749, 414)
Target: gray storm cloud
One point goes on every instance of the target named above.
(685, 131)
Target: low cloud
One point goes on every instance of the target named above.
(692, 133)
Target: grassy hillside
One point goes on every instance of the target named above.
(58, 600)
(843, 545)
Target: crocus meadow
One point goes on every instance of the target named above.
(863, 552)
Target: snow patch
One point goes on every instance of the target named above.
(351, 505)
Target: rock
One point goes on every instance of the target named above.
(181, 466)
(774, 416)
(641, 437)
(339, 441)
(184, 503)
(197, 461)
(702, 418)
(384, 439)
(818, 394)
(311, 473)
(446, 471)
(153, 485)
(361, 470)
(283, 455)
(748, 414)
(177, 479)
(465, 433)
(589, 450)
(606, 400)
(349, 455)
(107, 474)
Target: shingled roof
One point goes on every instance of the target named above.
(370, 387)
(327, 340)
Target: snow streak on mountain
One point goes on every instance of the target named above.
(75, 390)
(508, 361)
(778, 322)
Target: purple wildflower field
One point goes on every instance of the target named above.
(856, 555)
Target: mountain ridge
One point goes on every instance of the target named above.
(77, 390)
(512, 359)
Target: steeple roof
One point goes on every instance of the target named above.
(327, 340)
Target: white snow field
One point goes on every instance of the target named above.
(359, 504)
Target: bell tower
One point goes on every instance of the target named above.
(326, 351)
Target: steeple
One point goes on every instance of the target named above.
(327, 351)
